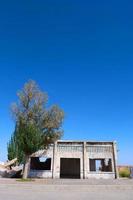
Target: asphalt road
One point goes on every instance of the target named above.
(66, 190)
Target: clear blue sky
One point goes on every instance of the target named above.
(81, 53)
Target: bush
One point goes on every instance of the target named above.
(124, 173)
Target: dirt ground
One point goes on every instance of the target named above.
(66, 189)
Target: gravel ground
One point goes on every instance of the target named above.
(65, 189)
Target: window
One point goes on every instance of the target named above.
(42, 163)
(100, 165)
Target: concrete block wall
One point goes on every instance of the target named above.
(84, 151)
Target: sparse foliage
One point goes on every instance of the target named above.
(36, 125)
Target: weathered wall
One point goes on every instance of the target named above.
(68, 151)
(83, 151)
(43, 173)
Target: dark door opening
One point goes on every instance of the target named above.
(70, 168)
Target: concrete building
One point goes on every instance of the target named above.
(76, 159)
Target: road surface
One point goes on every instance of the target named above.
(66, 190)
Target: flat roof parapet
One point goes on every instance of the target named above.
(86, 141)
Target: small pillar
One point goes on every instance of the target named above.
(54, 160)
(115, 160)
(84, 161)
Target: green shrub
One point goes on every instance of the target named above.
(125, 173)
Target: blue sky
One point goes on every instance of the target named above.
(81, 54)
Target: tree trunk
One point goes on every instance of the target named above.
(26, 167)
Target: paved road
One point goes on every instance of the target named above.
(66, 190)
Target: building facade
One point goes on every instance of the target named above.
(76, 159)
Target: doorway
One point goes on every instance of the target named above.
(70, 168)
